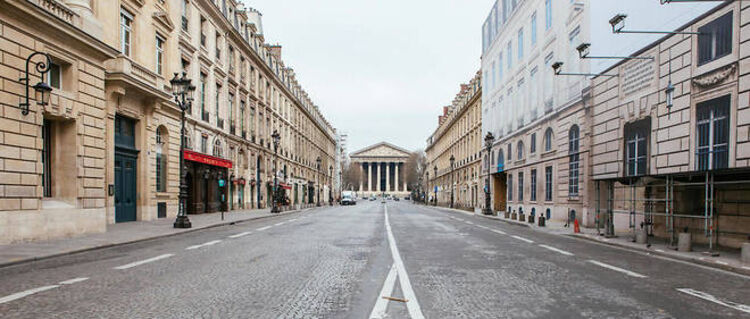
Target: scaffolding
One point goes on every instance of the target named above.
(646, 198)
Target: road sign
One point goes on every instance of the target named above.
(221, 182)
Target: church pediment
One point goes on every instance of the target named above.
(381, 150)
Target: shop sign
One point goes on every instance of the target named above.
(206, 159)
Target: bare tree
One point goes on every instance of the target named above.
(351, 177)
(414, 168)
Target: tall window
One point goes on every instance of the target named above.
(520, 44)
(532, 147)
(533, 28)
(242, 117)
(548, 13)
(520, 186)
(712, 133)
(548, 140)
(493, 75)
(548, 183)
(533, 185)
(500, 67)
(510, 153)
(184, 15)
(574, 160)
(231, 108)
(218, 151)
(218, 93)
(159, 54)
(636, 144)
(161, 160)
(510, 55)
(204, 144)
(54, 76)
(126, 31)
(218, 48)
(47, 158)
(715, 39)
(500, 160)
(510, 187)
(519, 150)
(203, 96)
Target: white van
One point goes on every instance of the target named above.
(348, 198)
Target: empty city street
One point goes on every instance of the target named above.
(339, 262)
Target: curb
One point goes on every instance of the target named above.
(508, 221)
(139, 240)
(706, 263)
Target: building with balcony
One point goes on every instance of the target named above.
(457, 136)
(112, 102)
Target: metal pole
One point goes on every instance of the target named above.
(182, 220)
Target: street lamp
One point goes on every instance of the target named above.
(275, 196)
(557, 67)
(618, 23)
(434, 170)
(330, 186)
(41, 89)
(427, 189)
(182, 89)
(317, 179)
(453, 160)
(489, 139)
(585, 48)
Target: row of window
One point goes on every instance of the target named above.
(548, 185)
(495, 20)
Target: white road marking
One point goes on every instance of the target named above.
(711, 298)
(524, 239)
(721, 262)
(22, 294)
(240, 234)
(412, 304)
(279, 224)
(263, 228)
(213, 242)
(293, 219)
(659, 250)
(381, 305)
(624, 271)
(567, 253)
(470, 223)
(498, 231)
(72, 281)
(746, 267)
(145, 261)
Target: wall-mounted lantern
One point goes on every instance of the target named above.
(42, 89)
(669, 92)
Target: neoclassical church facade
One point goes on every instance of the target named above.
(381, 169)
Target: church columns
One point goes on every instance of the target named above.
(377, 181)
(387, 176)
(369, 177)
(395, 177)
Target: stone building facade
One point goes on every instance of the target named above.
(539, 160)
(458, 135)
(664, 166)
(112, 103)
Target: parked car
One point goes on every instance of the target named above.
(347, 198)
(395, 198)
(407, 198)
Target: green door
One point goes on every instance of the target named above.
(126, 156)
(125, 188)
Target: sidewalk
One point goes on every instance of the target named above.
(727, 260)
(123, 233)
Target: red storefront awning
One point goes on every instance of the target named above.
(285, 186)
(206, 159)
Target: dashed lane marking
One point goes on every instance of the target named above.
(25, 293)
(557, 250)
(381, 305)
(240, 234)
(523, 239)
(213, 242)
(279, 224)
(263, 228)
(711, 298)
(624, 271)
(721, 262)
(141, 262)
(470, 223)
(498, 231)
(72, 281)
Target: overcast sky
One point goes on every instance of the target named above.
(379, 70)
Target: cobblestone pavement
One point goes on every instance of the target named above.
(332, 262)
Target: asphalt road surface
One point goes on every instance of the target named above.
(339, 262)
